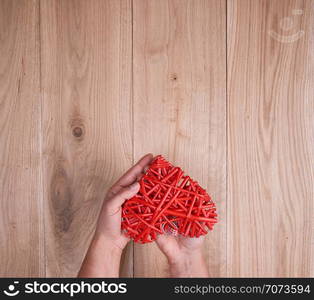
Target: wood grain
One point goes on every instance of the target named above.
(223, 89)
(20, 152)
(270, 138)
(86, 88)
(180, 103)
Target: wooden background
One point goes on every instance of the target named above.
(223, 88)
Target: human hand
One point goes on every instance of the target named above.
(109, 221)
(184, 254)
(103, 256)
(175, 246)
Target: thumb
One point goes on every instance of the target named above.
(124, 194)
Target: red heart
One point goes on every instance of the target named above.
(167, 200)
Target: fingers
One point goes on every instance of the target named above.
(145, 160)
(168, 244)
(132, 174)
(125, 193)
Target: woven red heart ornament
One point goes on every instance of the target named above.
(167, 201)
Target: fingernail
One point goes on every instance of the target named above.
(134, 186)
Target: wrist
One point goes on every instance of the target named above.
(184, 255)
(188, 264)
(102, 259)
(105, 246)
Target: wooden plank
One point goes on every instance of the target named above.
(86, 85)
(180, 103)
(20, 175)
(270, 138)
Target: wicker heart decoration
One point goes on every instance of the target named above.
(167, 201)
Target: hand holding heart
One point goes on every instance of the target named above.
(168, 201)
(152, 201)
